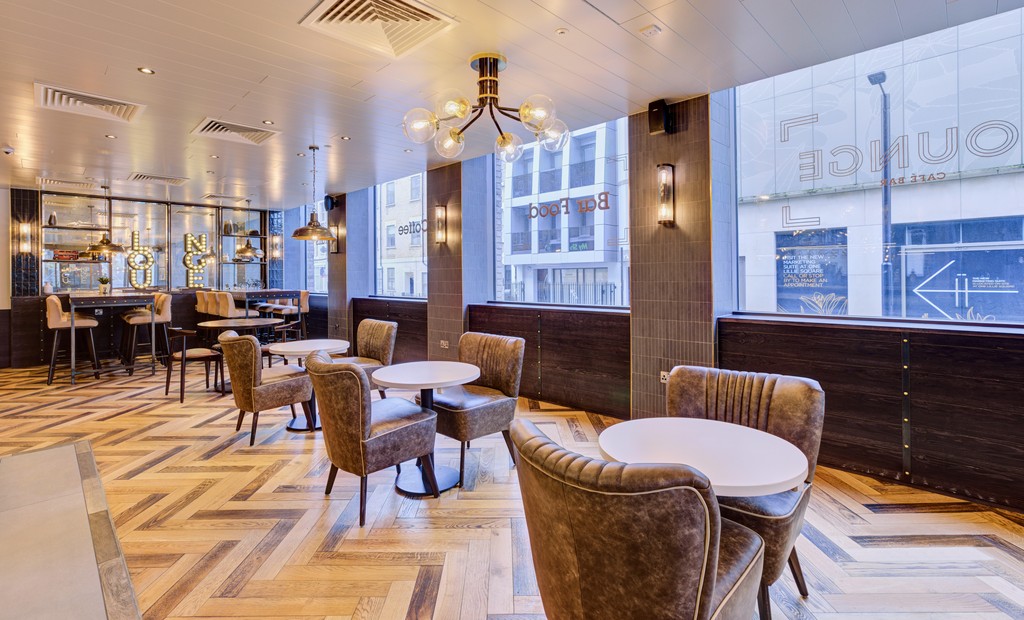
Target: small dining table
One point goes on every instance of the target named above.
(302, 348)
(426, 377)
(738, 460)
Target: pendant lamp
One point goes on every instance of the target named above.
(313, 230)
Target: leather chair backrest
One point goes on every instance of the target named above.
(54, 312)
(304, 302)
(376, 340)
(201, 302)
(500, 359)
(225, 304)
(611, 540)
(789, 407)
(163, 306)
(343, 392)
(245, 365)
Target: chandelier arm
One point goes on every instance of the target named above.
(507, 109)
(479, 112)
(512, 116)
(495, 119)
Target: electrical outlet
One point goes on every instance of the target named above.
(99, 312)
(444, 344)
(664, 376)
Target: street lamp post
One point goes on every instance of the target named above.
(877, 79)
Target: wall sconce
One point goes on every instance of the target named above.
(441, 224)
(338, 233)
(25, 238)
(666, 195)
(275, 246)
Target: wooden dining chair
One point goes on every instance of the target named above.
(184, 355)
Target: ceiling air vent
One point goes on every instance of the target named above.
(221, 130)
(390, 27)
(45, 182)
(76, 102)
(223, 197)
(157, 179)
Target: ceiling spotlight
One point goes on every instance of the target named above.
(407, 150)
(146, 70)
(454, 114)
(110, 136)
(562, 31)
(214, 156)
(346, 138)
(300, 154)
(268, 122)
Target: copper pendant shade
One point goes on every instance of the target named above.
(105, 246)
(313, 230)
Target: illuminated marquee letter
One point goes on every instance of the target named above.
(195, 259)
(140, 262)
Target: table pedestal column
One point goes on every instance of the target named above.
(413, 481)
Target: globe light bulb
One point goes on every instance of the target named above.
(449, 143)
(453, 109)
(508, 147)
(537, 112)
(419, 125)
(555, 137)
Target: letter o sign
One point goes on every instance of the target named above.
(1010, 136)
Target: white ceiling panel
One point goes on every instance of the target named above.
(246, 61)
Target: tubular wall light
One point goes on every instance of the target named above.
(335, 244)
(25, 238)
(666, 195)
(440, 224)
(454, 113)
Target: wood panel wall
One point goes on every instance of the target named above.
(411, 316)
(577, 358)
(929, 405)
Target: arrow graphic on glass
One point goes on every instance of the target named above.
(957, 290)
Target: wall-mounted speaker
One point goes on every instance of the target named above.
(329, 202)
(659, 118)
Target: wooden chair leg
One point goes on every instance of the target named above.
(508, 443)
(133, 336)
(398, 468)
(252, 434)
(330, 478)
(798, 574)
(167, 386)
(241, 416)
(308, 410)
(293, 410)
(382, 394)
(92, 353)
(764, 602)
(428, 469)
(167, 343)
(362, 501)
(207, 364)
(181, 390)
(53, 355)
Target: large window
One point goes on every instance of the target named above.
(562, 222)
(400, 225)
(838, 215)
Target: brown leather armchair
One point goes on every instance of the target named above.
(792, 408)
(616, 541)
(257, 389)
(363, 437)
(375, 344)
(488, 404)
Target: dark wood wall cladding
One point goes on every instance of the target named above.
(28, 326)
(5, 341)
(577, 358)
(930, 405)
(411, 316)
(317, 320)
(24, 266)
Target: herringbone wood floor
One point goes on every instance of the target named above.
(214, 528)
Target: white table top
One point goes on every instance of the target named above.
(305, 347)
(739, 461)
(425, 375)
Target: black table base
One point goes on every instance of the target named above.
(412, 481)
(301, 424)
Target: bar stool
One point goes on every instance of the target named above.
(227, 309)
(186, 355)
(302, 309)
(140, 317)
(57, 321)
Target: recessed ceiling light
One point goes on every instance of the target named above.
(210, 172)
(214, 156)
(110, 136)
(147, 71)
(562, 31)
(268, 122)
(346, 138)
(300, 154)
(407, 150)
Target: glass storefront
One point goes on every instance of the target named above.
(885, 184)
(401, 227)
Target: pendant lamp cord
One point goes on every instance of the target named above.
(312, 190)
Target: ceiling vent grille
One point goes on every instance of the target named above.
(156, 179)
(76, 102)
(224, 197)
(221, 130)
(390, 27)
(50, 182)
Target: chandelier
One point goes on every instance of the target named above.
(454, 115)
(313, 230)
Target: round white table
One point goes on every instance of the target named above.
(739, 461)
(300, 349)
(425, 377)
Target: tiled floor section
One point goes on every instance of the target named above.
(213, 528)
